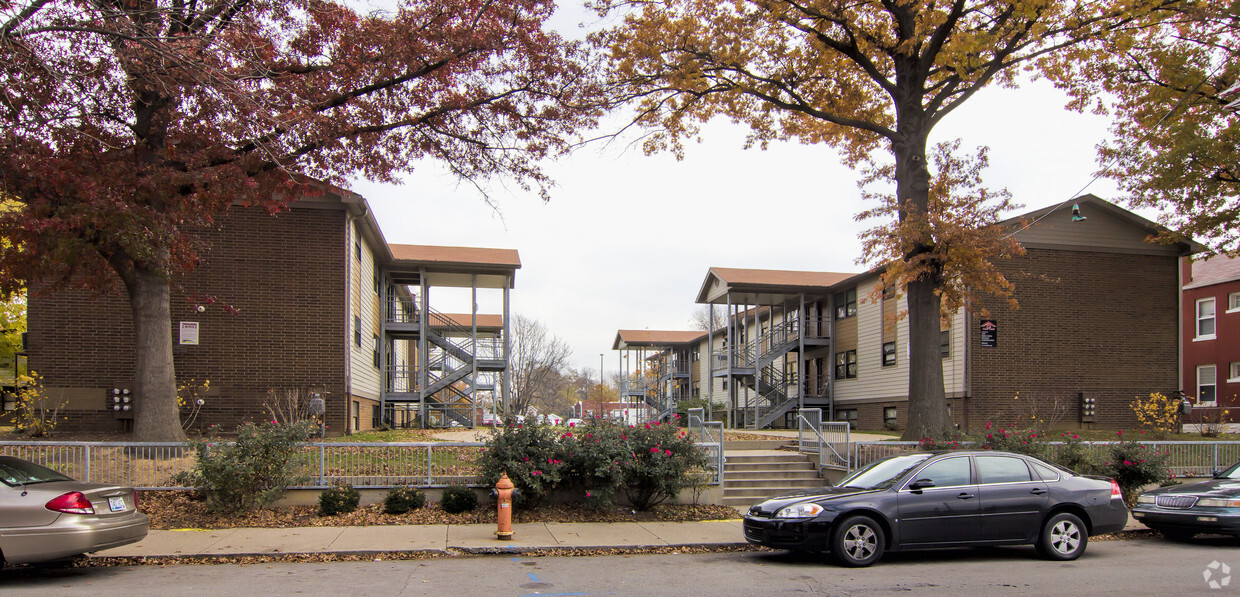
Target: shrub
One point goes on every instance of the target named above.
(249, 473)
(339, 500)
(531, 456)
(594, 454)
(400, 500)
(37, 413)
(457, 499)
(660, 459)
(1133, 466)
(1158, 412)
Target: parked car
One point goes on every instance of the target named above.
(1181, 511)
(46, 516)
(942, 499)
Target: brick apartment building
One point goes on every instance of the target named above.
(1098, 320)
(1211, 331)
(312, 299)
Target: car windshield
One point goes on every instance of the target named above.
(14, 472)
(1232, 472)
(884, 473)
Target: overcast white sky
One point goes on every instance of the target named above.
(626, 240)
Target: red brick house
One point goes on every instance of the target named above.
(1210, 327)
(312, 299)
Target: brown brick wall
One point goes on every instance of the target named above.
(286, 275)
(1101, 322)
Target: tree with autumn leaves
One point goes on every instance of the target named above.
(872, 79)
(129, 126)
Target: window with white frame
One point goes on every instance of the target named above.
(1233, 376)
(1205, 319)
(1206, 385)
(1233, 302)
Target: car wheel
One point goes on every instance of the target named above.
(1063, 537)
(858, 541)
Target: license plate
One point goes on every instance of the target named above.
(116, 504)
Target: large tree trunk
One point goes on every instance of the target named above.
(157, 418)
(927, 402)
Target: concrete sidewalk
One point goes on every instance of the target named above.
(471, 538)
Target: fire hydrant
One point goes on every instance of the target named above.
(503, 497)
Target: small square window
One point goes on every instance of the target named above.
(889, 354)
(1233, 375)
(889, 414)
(1233, 302)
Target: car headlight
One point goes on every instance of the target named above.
(1145, 499)
(805, 510)
(1218, 503)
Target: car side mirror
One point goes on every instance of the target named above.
(920, 484)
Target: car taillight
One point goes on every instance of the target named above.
(70, 503)
(135, 499)
(1116, 494)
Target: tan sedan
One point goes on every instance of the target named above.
(46, 516)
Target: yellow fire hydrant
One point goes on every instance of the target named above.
(503, 497)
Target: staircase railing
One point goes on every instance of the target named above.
(830, 440)
(774, 342)
(742, 357)
(709, 436)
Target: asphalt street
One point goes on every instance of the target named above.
(1131, 567)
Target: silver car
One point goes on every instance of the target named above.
(45, 515)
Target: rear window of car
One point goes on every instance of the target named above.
(14, 472)
(1047, 473)
(1003, 469)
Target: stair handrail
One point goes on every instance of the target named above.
(812, 418)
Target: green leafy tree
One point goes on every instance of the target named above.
(869, 78)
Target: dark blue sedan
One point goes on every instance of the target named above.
(943, 499)
(1181, 511)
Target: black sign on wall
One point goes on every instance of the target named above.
(990, 333)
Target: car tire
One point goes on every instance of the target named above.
(1063, 537)
(858, 541)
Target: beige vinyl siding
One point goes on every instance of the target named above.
(874, 381)
(1100, 230)
(364, 378)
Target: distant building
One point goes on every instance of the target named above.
(1211, 331)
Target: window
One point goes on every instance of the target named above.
(1206, 385)
(1233, 302)
(357, 330)
(1234, 374)
(357, 249)
(889, 293)
(376, 354)
(945, 343)
(951, 472)
(889, 415)
(1205, 319)
(357, 416)
(846, 364)
(889, 354)
(846, 414)
(1002, 469)
(1047, 473)
(374, 416)
(846, 304)
(378, 285)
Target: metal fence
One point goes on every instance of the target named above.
(364, 465)
(1184, 459)
(830, 439)
(709, 436)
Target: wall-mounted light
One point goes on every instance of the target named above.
(1076, 213)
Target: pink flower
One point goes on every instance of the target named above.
(669, 452)
(654, 450)
(989, 436)
(588, 494)
(537, 473)
(988, 424)
(1127, 463)
(572, 424)
(624, 437)
(1074, 436)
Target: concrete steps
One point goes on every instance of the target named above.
(750, 477)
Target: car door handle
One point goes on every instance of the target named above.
(1037, 491)
(965, 496)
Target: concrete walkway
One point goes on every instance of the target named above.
(469, 538)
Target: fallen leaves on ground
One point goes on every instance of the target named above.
(182, 509)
